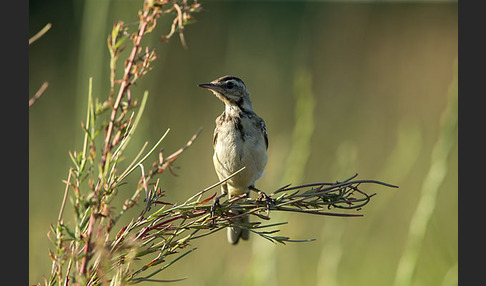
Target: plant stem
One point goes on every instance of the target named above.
(125, 84)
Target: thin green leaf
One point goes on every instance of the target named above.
(126, 173)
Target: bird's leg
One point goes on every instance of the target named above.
(263, 197)
(224, 189)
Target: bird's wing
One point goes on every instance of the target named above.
(219, 120)
(264, 131)
(215, 136)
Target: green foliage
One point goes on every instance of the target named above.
(84, 251)
(94, 249)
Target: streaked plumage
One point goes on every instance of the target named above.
(240, 139)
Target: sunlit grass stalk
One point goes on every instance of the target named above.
(296, 162)
(303, 129)
(139, 163)
(41, 33)
(44, 85)
(430, 187)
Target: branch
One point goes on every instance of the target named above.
(174, 226)
(124, 84)
(40, 33)
(38, 93)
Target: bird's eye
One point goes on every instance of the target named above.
(230, 85)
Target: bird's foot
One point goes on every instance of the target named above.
(262, 197)
(216, 204)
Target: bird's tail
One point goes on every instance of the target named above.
(236, 232)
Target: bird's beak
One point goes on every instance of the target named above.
(208, 86)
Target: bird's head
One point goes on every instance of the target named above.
(229, 89)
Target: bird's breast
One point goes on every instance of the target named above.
(239, 144)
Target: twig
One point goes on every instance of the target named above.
(87, 245)
(40, 33)
(165, 163)
(181, 26)
(124, 85)
(59, 218)
(199, 194)
(38, 93)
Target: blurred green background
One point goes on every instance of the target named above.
(344, 88)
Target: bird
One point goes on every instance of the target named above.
(240, 140)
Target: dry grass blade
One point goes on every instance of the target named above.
(40, 33)
(39, 93)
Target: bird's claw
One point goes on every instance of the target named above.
(215, 205)
(262, 197)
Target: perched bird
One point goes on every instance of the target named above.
(240, 140)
